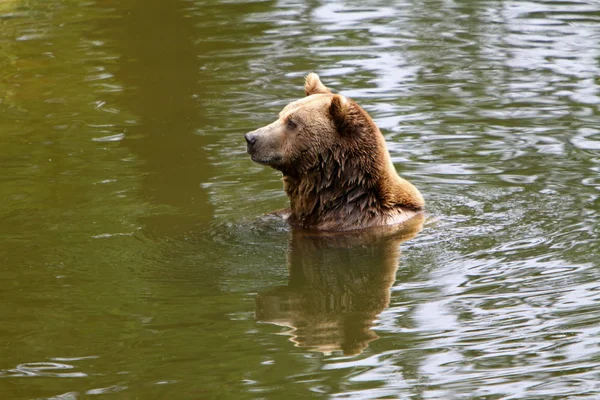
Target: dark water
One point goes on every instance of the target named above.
(132, 264)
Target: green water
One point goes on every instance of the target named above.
(133, 260)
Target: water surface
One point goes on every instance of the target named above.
(133, 260)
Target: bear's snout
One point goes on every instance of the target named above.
(264, 145)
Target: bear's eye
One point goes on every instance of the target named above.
(291, 124)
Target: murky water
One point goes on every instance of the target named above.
(132, 262)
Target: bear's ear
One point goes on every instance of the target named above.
(345, 115)
(313, 85)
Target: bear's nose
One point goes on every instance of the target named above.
(250, 138)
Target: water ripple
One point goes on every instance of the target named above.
(42, 369)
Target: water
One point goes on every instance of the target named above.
(135, 264)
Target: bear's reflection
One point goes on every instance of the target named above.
(338, 285)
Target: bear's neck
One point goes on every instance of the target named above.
(344, 195)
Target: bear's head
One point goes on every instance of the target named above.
(337, 171)
(311, 128)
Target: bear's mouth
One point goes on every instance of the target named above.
(265, 160)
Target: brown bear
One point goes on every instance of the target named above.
(336, 168)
